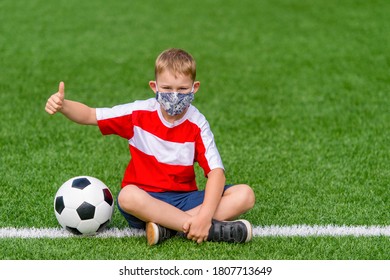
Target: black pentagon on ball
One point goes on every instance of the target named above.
(59, 205)
(80, 183)
(108, 196)
(86, 211)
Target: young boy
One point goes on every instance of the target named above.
(166, 135)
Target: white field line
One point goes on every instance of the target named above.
(317, 230)
(258, 231)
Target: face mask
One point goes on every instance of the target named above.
(174, 103)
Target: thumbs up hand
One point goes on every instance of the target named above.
(56, 101)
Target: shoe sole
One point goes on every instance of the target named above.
(248, 226)
(152, 233)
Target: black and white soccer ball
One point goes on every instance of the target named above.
(84, 205)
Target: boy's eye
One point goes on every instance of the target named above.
(182, 89)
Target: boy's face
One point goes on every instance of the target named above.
(168, 83)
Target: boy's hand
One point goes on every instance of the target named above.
(56, 101)
(197, 229)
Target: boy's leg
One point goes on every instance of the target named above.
(147, 208)
(236, 200)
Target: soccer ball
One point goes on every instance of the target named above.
(84, 205)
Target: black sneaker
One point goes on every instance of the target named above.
(156, 233)
(238, 231)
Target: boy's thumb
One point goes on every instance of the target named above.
(61, 89)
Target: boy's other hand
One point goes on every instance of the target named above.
(56, 101)
(197, 228)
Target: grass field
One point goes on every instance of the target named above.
(296, 93)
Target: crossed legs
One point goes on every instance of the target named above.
(235, 201)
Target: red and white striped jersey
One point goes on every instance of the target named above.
(162, 154)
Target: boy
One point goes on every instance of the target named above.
(166, 135)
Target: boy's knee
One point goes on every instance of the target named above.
(248, 196)
(244, 196)
(128, 198)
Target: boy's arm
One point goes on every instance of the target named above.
(213, 193)
(75, 111)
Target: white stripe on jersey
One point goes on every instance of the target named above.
(167, 152)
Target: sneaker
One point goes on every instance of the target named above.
(156, 234)
(239, 231)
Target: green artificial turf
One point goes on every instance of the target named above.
(296, 93)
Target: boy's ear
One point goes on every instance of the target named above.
(153, 86)
(196, 86)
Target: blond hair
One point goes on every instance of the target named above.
(176, 61)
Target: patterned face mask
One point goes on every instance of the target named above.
(174, 103)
